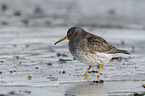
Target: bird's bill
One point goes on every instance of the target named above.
(64, 38)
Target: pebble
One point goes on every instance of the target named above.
(29, 77)
(25, 21)
(14, 45)
(4, 7)
(27, 46)
(138, 94)
(1, 73)
(63, 72)
(101, 81)
(1, 61)
(3, 95)
(135, 94)
(49, 64)
(16, 57)
(143, 85)
(33, 61)
(111, 11)
(28, 92)
(36, 67)
(63, 55)
(17, 13)
(20, 93)
(58, 54)
(69, 95)
(38, 10)
(47, 22)
(5, 23)
(12, 93)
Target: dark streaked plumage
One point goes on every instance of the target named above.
(93, 43)
(89, 48)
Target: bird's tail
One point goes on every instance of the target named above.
(123, 51)
(119, 51)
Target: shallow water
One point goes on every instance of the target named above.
(30, 52)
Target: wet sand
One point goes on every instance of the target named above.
(32, 66)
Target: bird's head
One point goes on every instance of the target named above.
(71, 33)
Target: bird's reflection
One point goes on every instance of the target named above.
(93, 88)
(87, 88)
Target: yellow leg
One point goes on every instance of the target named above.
(86, 74)
(99, 73)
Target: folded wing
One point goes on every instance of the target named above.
(98, 44)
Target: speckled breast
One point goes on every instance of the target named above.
(87, 57)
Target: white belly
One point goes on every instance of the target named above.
(93, 59)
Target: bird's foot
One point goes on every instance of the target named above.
(85, 75)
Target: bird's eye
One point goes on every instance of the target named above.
(70, 34)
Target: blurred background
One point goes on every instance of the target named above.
(126, 13)
(30, 64)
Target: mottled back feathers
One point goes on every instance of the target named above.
(90, 42)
